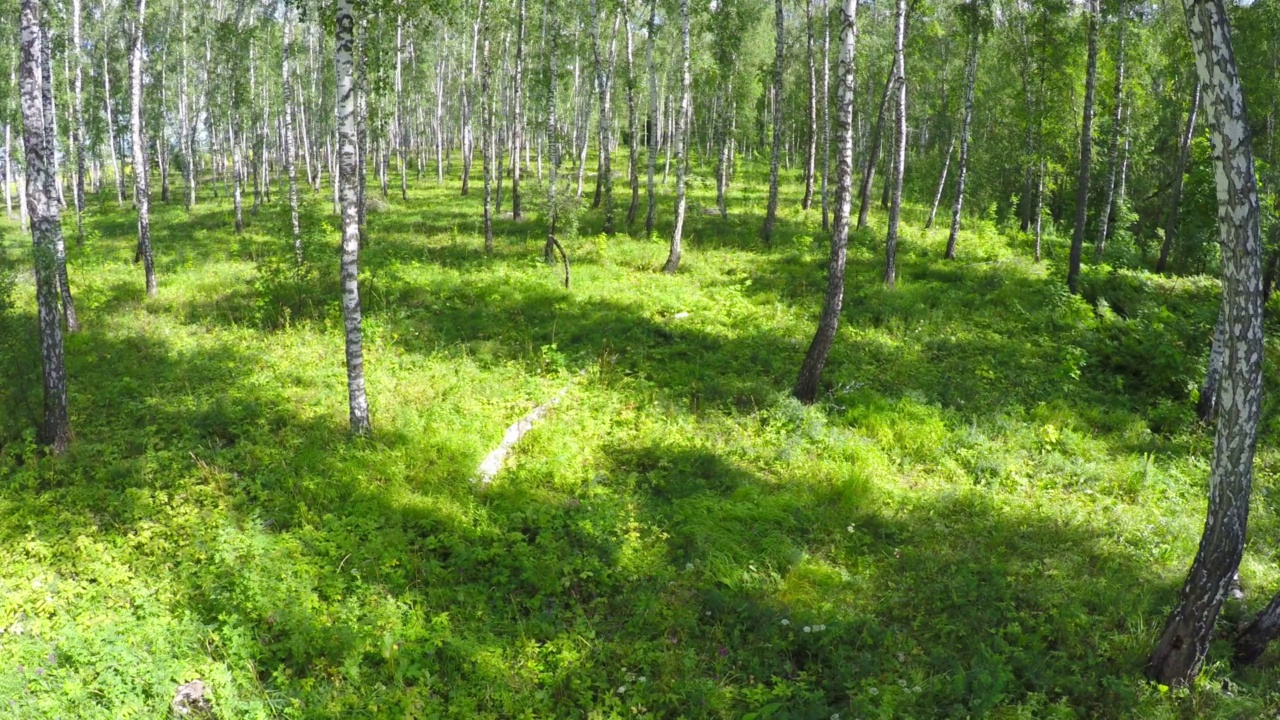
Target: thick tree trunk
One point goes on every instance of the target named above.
(771, 213)
(45, 230)
(900, 150)
(962, 172)
(141, 186)
(1178, 655)
(1086, 153)
(343, 62)
(806, 389)
(1179, 170)
(680, 138)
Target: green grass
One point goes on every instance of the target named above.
(988, 514)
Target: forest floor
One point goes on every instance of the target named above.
(988, 513)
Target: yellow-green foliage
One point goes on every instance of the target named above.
(987, 515)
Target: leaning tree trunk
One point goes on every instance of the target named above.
(869, 173)
(46, 229)
(806, 389)
(942, 184)
(343, 65)
(899, 151)
(141, 188)
(1178, 655)
(681, 141)
(962, 172)
(1179, 170)
(1086, 153)
(771, 213)
(1117, 119)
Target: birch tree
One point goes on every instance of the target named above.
(46, 228)
(680, 139)
(1086, 149)
(771, 212)
(1181, 649)
(141, 188)
(806, 389)
(343, 65)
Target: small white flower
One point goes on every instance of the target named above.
(786, 621)
(707, 613)
(807, 628)
(642, 679)
(850, 528)
(902, 683)
(820, 627)
(915, 689)
(688, 566)
(874, 691)
(902, 658)
(622, 689)
(835, 716)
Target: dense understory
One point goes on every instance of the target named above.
(987, 514)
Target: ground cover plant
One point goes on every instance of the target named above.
(652, 359)
(987, 515)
